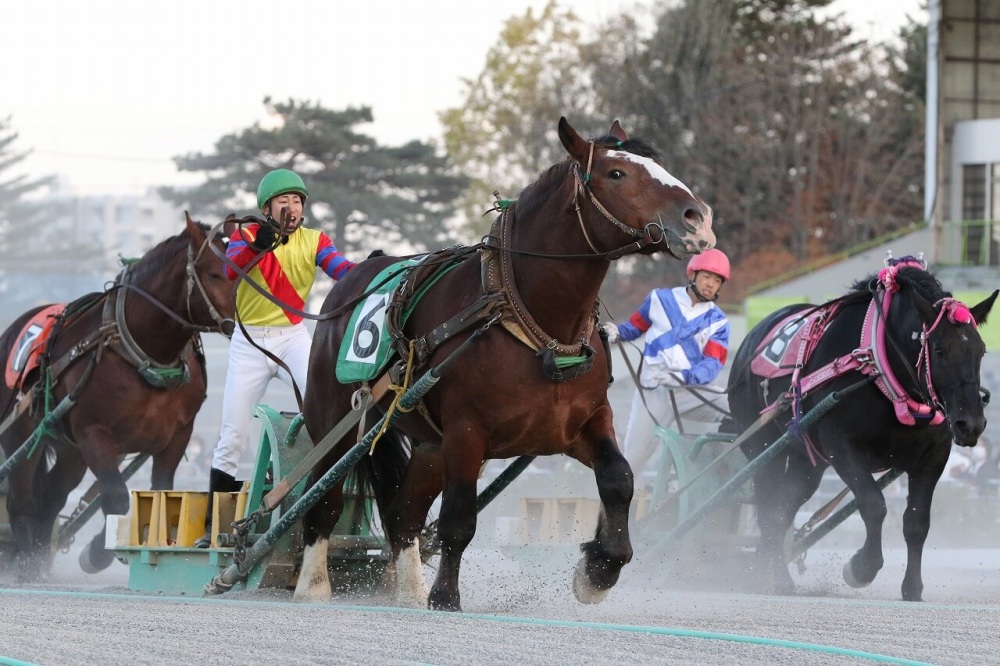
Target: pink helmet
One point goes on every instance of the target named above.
(714, 261)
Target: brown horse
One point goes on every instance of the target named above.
(515, 389)
(131, 359)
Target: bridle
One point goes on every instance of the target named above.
(645, 237)
(194, 281)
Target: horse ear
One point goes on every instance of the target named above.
(230, 224)
(617, 131)
(574, 144)
(981, 310)
(194, 231)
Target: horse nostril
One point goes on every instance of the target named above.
(703, 244)
(692, 220)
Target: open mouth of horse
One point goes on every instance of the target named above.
(678, 247)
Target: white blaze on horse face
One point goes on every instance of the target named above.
(654, 169)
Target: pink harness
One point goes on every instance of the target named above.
(870, 358)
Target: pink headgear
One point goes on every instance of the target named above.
(714, 261)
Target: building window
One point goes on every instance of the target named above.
(980, 212)
(973, 192)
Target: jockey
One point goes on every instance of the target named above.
(686, 343)
(287, 270)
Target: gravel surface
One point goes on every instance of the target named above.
(518, 607)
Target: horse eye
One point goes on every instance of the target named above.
(615, 174)
(939, 352)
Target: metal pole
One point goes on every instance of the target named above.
(809, 540)
(26, 449)
(49, 420)
(504, 479)
(661, 504)
(80, 517)
(236, 572)
(741, 477)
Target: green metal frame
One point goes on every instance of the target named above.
(357, 556)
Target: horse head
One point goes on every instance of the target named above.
(634, 204)
(211, 299)
(953, 351)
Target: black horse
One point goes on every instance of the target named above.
(925, 352)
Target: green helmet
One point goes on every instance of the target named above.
(279, 181)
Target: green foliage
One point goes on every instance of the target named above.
(805, 140)
(503, 133)
(36, 241)
(363, 194)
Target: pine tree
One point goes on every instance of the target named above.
(365, 195)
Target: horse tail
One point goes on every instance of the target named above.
(380, 475)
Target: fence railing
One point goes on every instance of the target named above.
(969, 243)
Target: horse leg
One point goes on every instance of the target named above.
(780, 489)
(22, 509)
(457, 521)
(404, 521)
(865, 564)
(166, 461)
(916, 523)
(313, 584)
(58, 483)
(99, 452)
(603, 558)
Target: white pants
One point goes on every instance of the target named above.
(640, 441)
(249, 373)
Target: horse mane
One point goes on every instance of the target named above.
(921, 281)
(164, 252)
(636, 146)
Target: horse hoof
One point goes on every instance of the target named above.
(583, 589)
(91, 563)
(851, 579)
(443, 602)
(314, 590)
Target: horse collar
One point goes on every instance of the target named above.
(560, 361)
(908, 411)
(157, 375)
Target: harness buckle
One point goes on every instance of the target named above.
(863, 356)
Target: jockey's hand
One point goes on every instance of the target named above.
(612, 330)
(265, 237)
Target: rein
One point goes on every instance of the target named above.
(243, 274)
(194, 281)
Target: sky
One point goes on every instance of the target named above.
(105, 92)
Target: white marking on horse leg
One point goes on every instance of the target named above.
(313, 585)
(411, 587)
(388, 585)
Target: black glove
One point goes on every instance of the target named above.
(265, 237)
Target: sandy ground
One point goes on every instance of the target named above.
(519, 607)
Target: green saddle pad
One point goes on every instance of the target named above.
(367, 346)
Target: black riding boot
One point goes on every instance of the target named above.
(218, 482)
